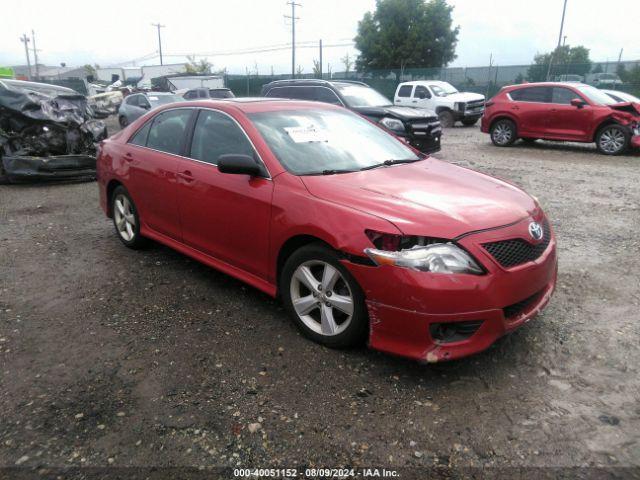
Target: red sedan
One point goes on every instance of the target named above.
(571, 112)
(361, 236)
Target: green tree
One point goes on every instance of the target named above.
(406, 34)
(564, 60)
(316, 68)
(347, 62)
(194, 67)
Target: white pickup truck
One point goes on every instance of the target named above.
(442, 98)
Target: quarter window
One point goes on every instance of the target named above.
(140, 138)
(216, 134)
(168, 129)
(405, 91)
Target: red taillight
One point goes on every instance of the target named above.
(384, 241)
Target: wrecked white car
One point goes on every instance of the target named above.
(46, 133)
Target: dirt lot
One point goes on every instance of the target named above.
(146, 358)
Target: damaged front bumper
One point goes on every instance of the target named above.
(23, 168)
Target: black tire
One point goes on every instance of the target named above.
(613, 139)
(136, 241)
(122, 120)
(503, 133)
(4, 180)
(447, 120)
(529, 141)
(356, 329)
(469, 122)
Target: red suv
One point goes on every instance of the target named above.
(562, 111)
(362, 236)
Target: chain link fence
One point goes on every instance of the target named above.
(487, 80)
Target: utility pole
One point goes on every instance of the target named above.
(35, 54)
(293, 35)
(320, 58)
(24, 39)
(159, 26)
(564, 11)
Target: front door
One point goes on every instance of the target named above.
(565, 121)
(223, 215)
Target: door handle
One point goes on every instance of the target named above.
(186, 175)
(515, 107)
(128, 157)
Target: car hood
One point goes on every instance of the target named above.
(627, 107)
(402, 113)
(429, 197)
(464, 97)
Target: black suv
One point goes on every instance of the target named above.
(420, 128)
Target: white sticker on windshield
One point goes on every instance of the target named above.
(153, 98)
(307, 134)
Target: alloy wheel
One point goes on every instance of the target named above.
(612, 140)
(502, 134)
(321, 297)
(124, 217)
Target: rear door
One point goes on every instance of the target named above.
(403, 95)
(152, 156)
(531, 106)
(565, 121)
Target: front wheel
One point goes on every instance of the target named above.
(503, 133)
(324, 300)
(613, 139)
(123, 121)
(446, 118)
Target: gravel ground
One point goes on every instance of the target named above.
(113, 357)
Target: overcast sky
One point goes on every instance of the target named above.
(84, 32)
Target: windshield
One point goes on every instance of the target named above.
(594, 95)
(156, 100)
(311, 142)
(362, 96)
(443, 89)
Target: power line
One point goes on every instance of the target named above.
(35, 54)
(159, 26)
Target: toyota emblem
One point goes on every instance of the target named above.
(535, 230)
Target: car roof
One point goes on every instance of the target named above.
(313, 81)
(157, 93)
(547, 84)
(255, 104)
(426, 82)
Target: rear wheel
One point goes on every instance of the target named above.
(468, 122)
(503, 133)
(446, 118)
(324, 300)
(123, 121)
(613, 139)
(126, 219)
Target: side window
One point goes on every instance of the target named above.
(279, 92)
(405, 91)
(327, 96)
(140, 138)
(532, 94)
(563, 95)
(302, 93)
(133, 100)
(190, 94)
(202, 94)
(143, 102)
(168, 129)
(216, 134)
(421, 92)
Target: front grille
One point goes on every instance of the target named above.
(517, 251)
(454, 331)
(475, 104)
(512, 311)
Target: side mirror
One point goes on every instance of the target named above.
(239, 165)
(577, 102)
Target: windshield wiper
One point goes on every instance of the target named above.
(388, 163)
(337, 171)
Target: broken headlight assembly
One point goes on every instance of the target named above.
(392, 124)
(423, 254)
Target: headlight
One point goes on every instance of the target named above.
(460, 106)
(436, 258)
(392, 124)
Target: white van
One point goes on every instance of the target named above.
(443, 98)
